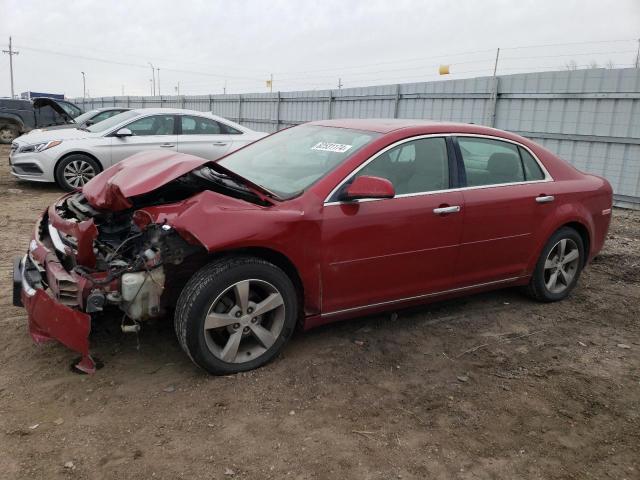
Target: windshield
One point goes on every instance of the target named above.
(290, 161)
(85, 116)
(72, 110)
(112, 122)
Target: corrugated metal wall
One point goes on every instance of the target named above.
(589, 117)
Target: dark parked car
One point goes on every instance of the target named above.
(90, 118)
(21, 116)
(313, 224)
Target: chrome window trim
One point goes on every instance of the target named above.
(418, 297)
(547, 175)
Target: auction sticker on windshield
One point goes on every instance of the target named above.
(331, 147)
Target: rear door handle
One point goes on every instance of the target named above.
(545, 199)
(444, 210)
(167, 145)
(219, 144)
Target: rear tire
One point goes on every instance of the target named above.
(558, 268)
(75, 171)
(235, 314)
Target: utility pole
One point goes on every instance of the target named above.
(495, 66)
(11, 52)
(271, 84)
(339, 83)
(637, 54)
(153, 79)
(158, 69)
(177, 88)
(84, 86)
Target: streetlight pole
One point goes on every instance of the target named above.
(11, 52)
(153, 79)
(84, 86)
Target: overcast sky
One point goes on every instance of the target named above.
(204, 45)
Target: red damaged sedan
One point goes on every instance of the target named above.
(317, 223)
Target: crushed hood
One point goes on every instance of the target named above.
(139, 174)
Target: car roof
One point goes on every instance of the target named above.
(152, 111)
(182, 111)
(387, 125)
(103, 109)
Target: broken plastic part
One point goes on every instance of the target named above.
(86, 365)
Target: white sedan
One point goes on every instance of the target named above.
(71, 157)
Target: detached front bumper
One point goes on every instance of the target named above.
(52, 296)
(49, 319)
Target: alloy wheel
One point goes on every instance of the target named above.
(78, 172)
(244, 321)
(561, 265)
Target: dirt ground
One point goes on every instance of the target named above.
(490, 386)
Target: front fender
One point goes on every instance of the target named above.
(221, 224)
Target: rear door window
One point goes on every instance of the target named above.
(532, 170)
(490, 162)
(192, 125)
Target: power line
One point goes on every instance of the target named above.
(128, 64)
(452, 55)
(152, 58)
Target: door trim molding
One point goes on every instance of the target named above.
(418, 297)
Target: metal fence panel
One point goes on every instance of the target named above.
(589, 117)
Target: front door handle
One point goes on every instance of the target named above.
(545, 199)
(219, 144)
(445, 210)
(167, 145)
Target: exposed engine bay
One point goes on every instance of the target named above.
(132, 254)
(129, 241)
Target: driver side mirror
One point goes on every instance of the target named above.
(124, 132)
(369, 187)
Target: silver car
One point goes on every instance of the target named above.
(72, 157)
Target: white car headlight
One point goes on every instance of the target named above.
(39, 147)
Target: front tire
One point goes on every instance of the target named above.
(558, 268)
(236, 314)
(75, 171)
(8, 133)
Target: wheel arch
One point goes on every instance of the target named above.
(13, 119)
(567, 216)
(583, 231)
(277, 258)
(78, 152)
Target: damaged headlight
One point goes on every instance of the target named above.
(40, 147)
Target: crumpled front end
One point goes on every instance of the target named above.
(82, 261)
